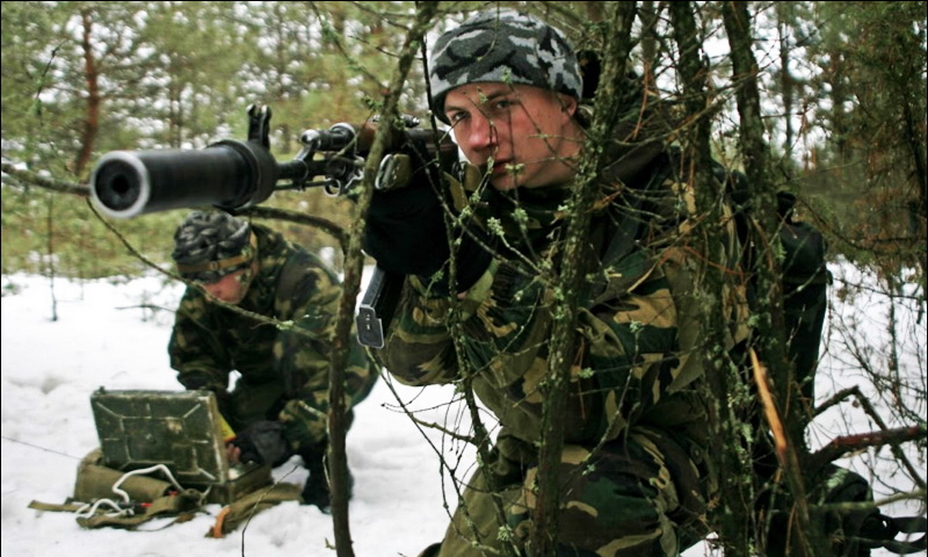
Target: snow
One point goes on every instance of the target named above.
(114, 334)
(102, 337)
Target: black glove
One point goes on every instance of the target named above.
(405, 230)
(406, 234)
(263, 442)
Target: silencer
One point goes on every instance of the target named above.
(228, 174)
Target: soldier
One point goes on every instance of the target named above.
(633, 474)
(278, 405)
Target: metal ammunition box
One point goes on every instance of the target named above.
(179, 429)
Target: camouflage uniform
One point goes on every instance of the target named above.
(284, 371)
(638, 387)
(635, 481)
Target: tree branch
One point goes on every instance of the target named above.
(870, 410)
(845, 444)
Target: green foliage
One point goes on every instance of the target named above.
(846, 117)
(101, 76)
(51, 234)
(869, 63)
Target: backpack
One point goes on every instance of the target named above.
(130, 500)
(855, 530)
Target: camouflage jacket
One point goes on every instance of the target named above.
(639, 347)
(209, 341)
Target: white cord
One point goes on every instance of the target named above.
(161, 467)
(91, 509)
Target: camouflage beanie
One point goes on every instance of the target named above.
(211, 245)
(506, 47)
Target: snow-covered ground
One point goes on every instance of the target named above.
(107, 334)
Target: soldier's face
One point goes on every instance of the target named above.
(230, 288)
(523, 136)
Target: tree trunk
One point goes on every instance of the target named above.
(571, 280)
(91, 79)
(770, 342)
(734, 470)
(354, 263)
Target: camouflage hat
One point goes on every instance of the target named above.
(211, 245)
(505, 46)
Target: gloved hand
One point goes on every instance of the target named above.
(406, 231)
(406, 234)
(263, 442)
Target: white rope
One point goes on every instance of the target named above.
(91, 509)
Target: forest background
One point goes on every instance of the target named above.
(840, 115)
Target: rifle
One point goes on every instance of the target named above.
(235, 175)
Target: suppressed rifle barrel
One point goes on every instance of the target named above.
(235, 175)
(229, 174)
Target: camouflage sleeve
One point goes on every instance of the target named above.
(302, 354)
(502, 320)
(194, 350)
